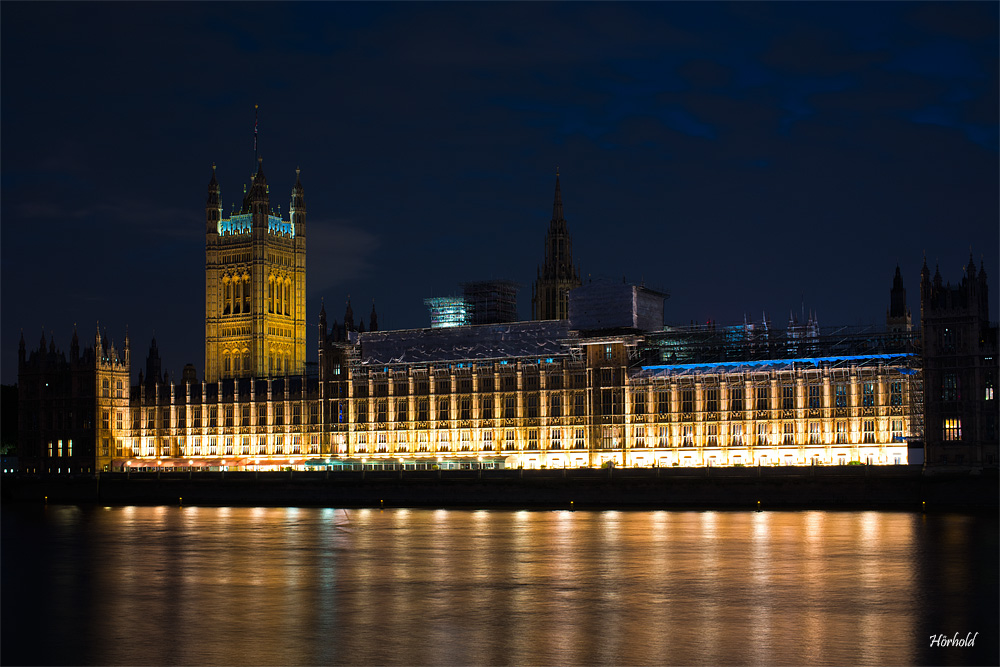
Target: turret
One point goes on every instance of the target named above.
(348, 317)
(153, 375)
(373, 319)
(897, 316)
(74, 346)
(322, 324)
(213, 207)
(297, 207)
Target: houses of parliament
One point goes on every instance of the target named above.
(594, 379)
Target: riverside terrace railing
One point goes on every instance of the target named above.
(835, 487)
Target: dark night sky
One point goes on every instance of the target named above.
(746, 157)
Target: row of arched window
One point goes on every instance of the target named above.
(235, 294)
(279, 295)
(279, 362)
(237, 361)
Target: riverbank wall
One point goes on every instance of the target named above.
(847, 487)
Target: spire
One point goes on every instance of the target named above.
(297, 207)
(213, 188)
(74, 346)
(557, 274)
(298, 193)
(322, 322)
(348, 317)
(257, 197)
(373, 319)
(557, 205)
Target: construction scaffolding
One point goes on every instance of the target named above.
(491, 301)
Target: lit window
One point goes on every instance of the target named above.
(840, 394)
(896, 393)
(687, 400)
(787, 397)
(896, 430)
(814, 438)
(868, 395)
(814, 395)
(952, 429)
(868, 431)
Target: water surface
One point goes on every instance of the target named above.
(295, 586)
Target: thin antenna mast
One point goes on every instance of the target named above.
(254, 170)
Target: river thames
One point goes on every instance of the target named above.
(304, 586)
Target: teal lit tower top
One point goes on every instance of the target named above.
(255, 283)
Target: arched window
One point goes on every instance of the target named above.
(277, 297)
(288, 298)
(246, 360)
(246, 294)
(225, 362)
(270, 294)
(237, 295)
(288, 364)
(270, 363)
(226, 296)
(236, 362)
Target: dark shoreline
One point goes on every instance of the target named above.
(836, 487)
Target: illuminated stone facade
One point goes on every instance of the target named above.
(255, 285)
(547, 393)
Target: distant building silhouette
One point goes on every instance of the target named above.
(557, 274)
(72, 410)
(960, 369)
(897, 316)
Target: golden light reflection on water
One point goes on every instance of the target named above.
(309, 586)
